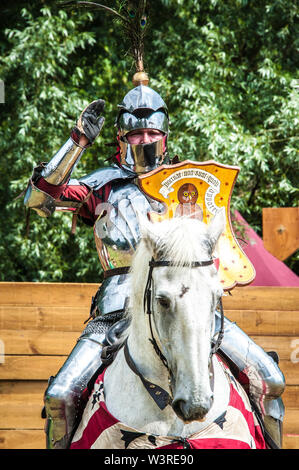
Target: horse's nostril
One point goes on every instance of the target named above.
(188, 412)
(178, 407)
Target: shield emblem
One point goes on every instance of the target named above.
(198, 190)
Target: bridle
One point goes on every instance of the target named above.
(160, 396)
(147, 302)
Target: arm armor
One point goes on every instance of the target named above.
(56, 172)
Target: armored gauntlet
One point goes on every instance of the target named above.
(58, 171)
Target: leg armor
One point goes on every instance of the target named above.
(64, 397)
(263, 379)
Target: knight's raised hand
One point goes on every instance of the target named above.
(90, 122)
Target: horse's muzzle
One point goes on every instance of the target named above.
(188, 412)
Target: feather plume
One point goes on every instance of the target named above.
(131, 16)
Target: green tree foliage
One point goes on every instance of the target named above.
(227, 70)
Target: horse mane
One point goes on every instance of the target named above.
(180, 239)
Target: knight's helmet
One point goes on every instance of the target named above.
(142, 108)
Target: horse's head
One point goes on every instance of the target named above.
(182, 304)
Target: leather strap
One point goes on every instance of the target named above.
(116, 271)
(194, 264)
(158, 394)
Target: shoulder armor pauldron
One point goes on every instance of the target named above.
(102, 176)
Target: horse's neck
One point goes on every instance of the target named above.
(144, 356)
(123, 387)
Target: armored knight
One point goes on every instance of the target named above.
(109, 199)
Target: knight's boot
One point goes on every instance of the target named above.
(64, 398)
(260, 375)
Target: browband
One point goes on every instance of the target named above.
(193, 264)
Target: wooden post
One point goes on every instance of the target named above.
(281, 231)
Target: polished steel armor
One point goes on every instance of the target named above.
(59, 169)
(150, 120)
(142, 158)
(142, 98)
(64, 393)
(41, 202)
(56, 172)
(116, 236)
(142, 108)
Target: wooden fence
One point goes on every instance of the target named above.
(40, 322)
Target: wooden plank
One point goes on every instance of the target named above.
(21, 404)
(290, 441)
(46, 293)
(262, 298)
(290, 371)
(17, 367)
(22, 439)
(38, 342)
(254, 322)
(266, 322)
(281, 230)
(73, 294)
(57, 343)
(291, 397)
(30, 367)
(291, 421)
(285, 346)
(57, 318)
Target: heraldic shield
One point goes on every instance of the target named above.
(199, 190)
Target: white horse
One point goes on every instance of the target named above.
(164, 387)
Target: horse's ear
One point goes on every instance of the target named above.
(217, 226)
(147, 232)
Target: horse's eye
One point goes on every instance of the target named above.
(164, 302)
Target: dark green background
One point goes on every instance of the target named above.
(228, 71)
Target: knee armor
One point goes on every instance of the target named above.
(64, 397)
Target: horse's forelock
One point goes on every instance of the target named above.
(181, 240)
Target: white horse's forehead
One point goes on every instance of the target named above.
(170, 278)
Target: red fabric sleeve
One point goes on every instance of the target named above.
(77, 193)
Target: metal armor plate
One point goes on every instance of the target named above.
(116, 232)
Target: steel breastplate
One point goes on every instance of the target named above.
(117, 234)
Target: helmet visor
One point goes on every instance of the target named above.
(128, 122)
